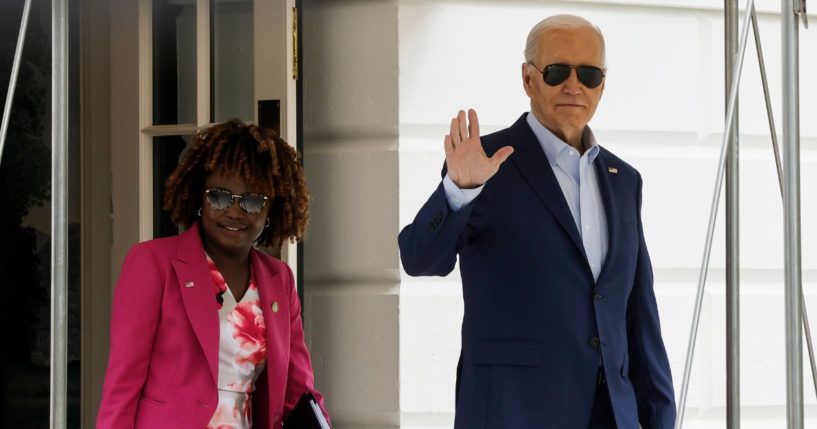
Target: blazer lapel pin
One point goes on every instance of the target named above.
(189, 284)
(612, 170)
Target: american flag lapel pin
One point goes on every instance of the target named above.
(612, 170)
(189, 284)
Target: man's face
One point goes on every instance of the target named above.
(566, 108)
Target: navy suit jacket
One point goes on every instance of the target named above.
(536, 324)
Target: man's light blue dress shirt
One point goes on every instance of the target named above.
(580, 187)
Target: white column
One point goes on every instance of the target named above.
(351, 265)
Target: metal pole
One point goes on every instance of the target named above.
(59, 230)
(809, 345)
(791, 217)
(732, 228)
(769, 112)
(15, 70)
(779, 165)
(730, 112)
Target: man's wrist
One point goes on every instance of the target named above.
(465, 185)
(458, 197)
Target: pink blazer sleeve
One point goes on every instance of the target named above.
(134, 318)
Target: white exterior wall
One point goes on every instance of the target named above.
(382, 81)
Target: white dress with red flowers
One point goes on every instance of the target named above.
(241, 356)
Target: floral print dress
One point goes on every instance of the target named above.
(242, 353)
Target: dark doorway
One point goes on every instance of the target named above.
(25, 236)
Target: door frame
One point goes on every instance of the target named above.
(117, 137)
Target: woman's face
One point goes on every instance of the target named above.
(231, 230)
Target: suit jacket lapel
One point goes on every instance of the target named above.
(197, 290)
(608, 186)
(532, 162)
(275, 308)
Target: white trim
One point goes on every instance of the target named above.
(288, 122)
(145, 179)
(764, 7)
(273, 80)
(170, 130)
(203, 61)
(289, 109)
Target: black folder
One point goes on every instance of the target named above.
(307, 414)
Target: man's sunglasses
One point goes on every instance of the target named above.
(222, 199)
(554, 74)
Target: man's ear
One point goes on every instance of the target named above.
(526, 78)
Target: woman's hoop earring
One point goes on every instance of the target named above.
(266, 225)
(199, 211)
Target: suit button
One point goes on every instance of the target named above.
(596, 294)
(594, 342)
(276, 417)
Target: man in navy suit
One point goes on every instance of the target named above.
(561, 326)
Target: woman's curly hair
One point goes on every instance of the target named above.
(257, 155)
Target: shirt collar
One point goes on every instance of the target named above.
(554, 146)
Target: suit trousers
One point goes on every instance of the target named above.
(601, 416)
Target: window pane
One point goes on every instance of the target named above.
(174, 62)
(232, 60)
(167, 153)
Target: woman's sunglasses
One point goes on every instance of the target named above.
(554, 74)
(222, 199)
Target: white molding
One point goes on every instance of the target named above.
(352, 144)
(145, 179)
(170, 130)
(764, 7)
(349, 287)
(203, 62)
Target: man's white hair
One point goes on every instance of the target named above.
(560, 22)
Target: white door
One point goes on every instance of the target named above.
(174, 66)
(207, 61)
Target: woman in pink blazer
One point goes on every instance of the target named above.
(206, 330)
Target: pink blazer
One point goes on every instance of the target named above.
(163, 363)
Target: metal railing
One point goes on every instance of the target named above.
(796, 316)
(59, 215)
(15, 70)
